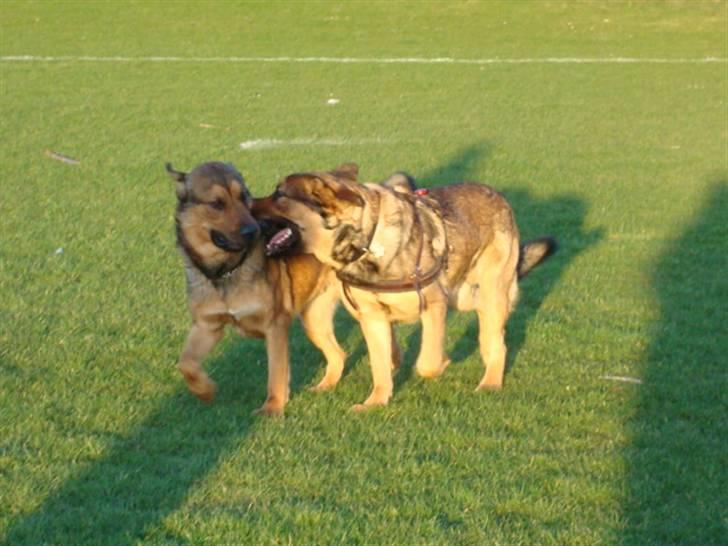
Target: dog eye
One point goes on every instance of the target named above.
(277, 193)
(217, 204)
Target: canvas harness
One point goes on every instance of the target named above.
(415, 281)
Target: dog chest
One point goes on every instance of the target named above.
(245, 309)
(249, 318)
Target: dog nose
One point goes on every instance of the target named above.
(249, 230)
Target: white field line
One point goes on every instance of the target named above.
(363, 60)
(622, 379)
(269, 143)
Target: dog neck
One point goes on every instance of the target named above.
(250, 266)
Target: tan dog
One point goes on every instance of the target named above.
(231, 282)
(404, 254)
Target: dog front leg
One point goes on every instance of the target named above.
(378, 336)
(318, 323)
(276, 344)
(203, 336)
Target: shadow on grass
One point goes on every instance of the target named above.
(677, 478)
(459, 168)
(561, 216)
(146, 475)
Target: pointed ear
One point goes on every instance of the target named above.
(180, 179)
(400, 182)
(347, 170)
(335, 195)
(348, 195)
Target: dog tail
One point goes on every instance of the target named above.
(534, 252)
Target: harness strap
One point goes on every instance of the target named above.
(347, 294)
(417, 282)
(418, 272)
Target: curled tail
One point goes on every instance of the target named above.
(534, 252)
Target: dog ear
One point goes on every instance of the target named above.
(348, 195)
(400, 182)
(347, 170)
(334, 195)
(325, 192)
(180, 179)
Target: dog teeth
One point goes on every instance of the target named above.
(279, 239)
(283, 235)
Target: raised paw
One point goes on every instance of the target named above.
(202, 387)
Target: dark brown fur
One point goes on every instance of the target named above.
(484, 261)
(231, 282)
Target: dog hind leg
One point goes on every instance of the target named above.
(396, 350)
(495, 300)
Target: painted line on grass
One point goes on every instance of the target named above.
(363, 60)
(622, 379)
(269, 143)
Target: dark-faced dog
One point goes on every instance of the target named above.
(404, 254)
(230, 281)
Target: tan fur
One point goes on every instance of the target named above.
(259, 297)
(481, 273)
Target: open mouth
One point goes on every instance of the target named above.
(281, 236)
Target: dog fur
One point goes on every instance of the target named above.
(231, 282)
(371, 231)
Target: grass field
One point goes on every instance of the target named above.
(626, 163)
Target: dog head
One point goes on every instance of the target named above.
(315, 213)
(214, 224)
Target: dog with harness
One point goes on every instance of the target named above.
(404, 254)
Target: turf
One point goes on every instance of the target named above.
(626, 164)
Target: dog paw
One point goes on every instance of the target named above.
(203, 388)
(361, 408)
(270, 409)
(487, 386)
(378, 398)
(430, 372)
(323, 386)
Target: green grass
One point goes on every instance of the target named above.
(627, 164)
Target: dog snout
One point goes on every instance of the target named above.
(248, 231)
(221, 241)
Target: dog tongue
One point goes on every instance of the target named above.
(278, 240)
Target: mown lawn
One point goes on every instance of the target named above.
(626, 163)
